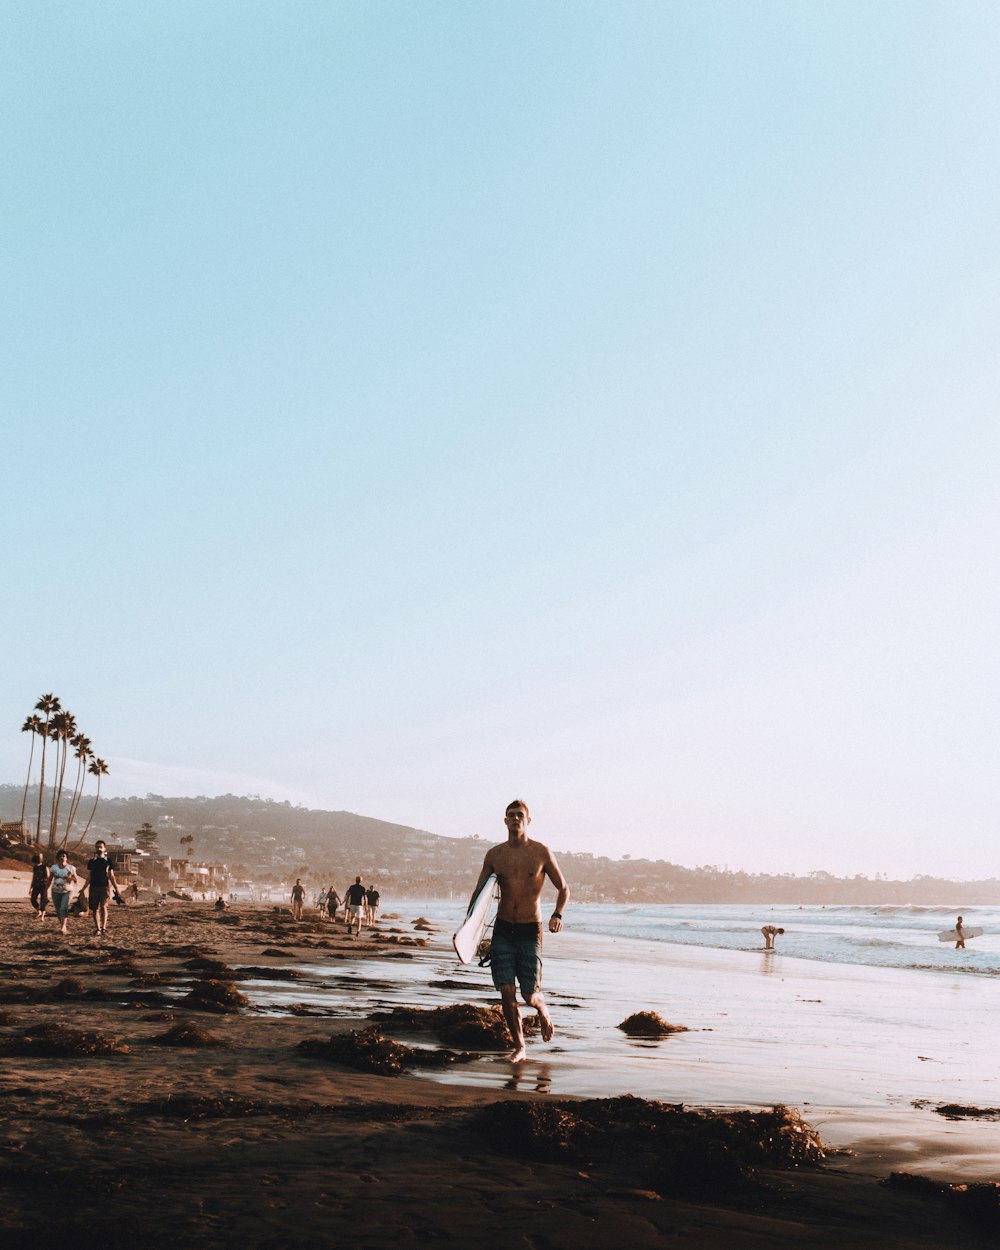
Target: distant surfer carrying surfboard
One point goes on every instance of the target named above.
(521, 866)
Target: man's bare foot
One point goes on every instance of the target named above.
(519, 1055)
(545, 1020)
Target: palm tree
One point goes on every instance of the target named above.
(98, 769)
(61, 729)
(48, 704)
(32, 725)
(81, 744)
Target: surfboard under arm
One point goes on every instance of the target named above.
(470, 932)
(952, 935)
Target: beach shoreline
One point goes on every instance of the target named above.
(294, 1118)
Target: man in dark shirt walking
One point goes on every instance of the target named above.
(355, 904)
(100, 882)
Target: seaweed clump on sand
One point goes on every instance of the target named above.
(365, 1049)
(216, 968)
(979, 1203)
(126, 967)
(144, 979)
(649, 1024)
(222, 997)
(257, 973)
(667, 1149)
(369, 1050)
(203, 1106)
(458, 1024)
(187, 1034)
(70, 987)
(956, 1111)
(58, 1041)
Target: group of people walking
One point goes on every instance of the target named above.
(58, 880)
(360, 903)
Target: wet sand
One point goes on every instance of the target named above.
(255, 1143)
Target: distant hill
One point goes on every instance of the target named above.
(274, 842)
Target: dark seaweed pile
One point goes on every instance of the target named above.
(978, 1203)
(459, 1024)
(668, 1149)
(57, 1041)
(649, 1024)
(369, 1050)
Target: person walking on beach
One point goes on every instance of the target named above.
(62, 878)
(960, 944)
(298, 898)
(372, 900)
(333, 901)
(99, 884)
(39, 889)
(355, 904)
(770, 933)
(521, 866)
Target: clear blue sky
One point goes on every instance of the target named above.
(411, 406)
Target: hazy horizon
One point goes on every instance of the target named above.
(412, 407)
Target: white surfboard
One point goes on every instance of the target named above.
(470, 933)
(951, 935)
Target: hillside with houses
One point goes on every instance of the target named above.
(231, 843)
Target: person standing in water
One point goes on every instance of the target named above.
(960, 944)
(521, 866)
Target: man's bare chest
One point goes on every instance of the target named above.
(514, 866)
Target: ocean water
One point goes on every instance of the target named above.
(892, 936)
(880, 937)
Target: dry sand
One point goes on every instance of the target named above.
(256, 1144)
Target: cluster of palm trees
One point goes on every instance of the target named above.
(56, 728)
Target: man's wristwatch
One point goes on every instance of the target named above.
(557, 915)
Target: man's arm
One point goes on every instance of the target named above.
(487, 871)
(552, 871)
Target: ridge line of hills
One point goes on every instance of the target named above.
(272, 842)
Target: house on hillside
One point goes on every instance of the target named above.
(14, 832)
(208, 878)
(120, 858)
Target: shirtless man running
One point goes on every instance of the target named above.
(521, 866)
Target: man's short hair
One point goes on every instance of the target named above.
(517, 803)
